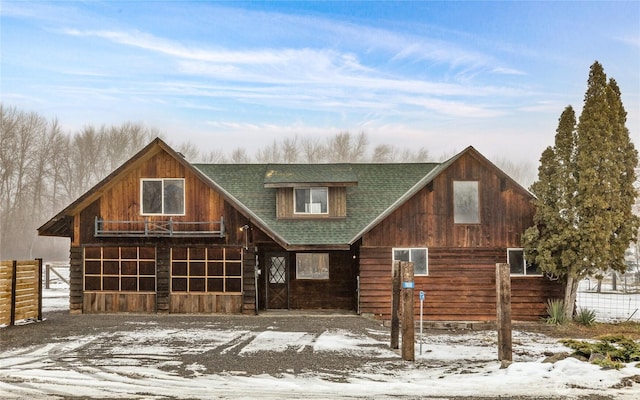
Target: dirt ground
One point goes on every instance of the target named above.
(61, 324)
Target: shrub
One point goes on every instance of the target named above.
(554, 312)
(585, 316)
(614, 350)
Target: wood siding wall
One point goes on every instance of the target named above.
(249, 282)
(204, 303)
(120, 200)
(426, 220)
(338, 292)
(76, 283)
(112, 302)
(20, 290)
(337, 204)
(461, 286)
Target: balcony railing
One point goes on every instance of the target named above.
(156, 228)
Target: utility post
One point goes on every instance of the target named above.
(408, 323)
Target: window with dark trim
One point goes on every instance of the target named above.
(312, 266)
(162, 196)
(418, 256)
(121, 269)
(206, 269)
(519, 265)
(313, 200)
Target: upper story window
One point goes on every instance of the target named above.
(162, 196)
(466, 207)
(313, 200)
(518, 264)
(418, 256)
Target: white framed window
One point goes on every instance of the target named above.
(518, 264)
(312, 200)
(312, 266)
(162, 196)
(418, 256)
(466, 202)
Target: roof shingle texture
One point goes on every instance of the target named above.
(378, 187)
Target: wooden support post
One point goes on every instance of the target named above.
(395, 306)
(14, 284)
(408, 323)
(47, 276)
(503, 308)
(39, 261)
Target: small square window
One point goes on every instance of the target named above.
(311, 200)
(518, 264)
(418, 256)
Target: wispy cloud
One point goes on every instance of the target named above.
(507, 71)
(171, 48)
(631, 40)
(309, 77)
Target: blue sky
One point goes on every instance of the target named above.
(223, 75)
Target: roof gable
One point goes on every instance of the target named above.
(59, 225)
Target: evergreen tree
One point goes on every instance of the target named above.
(584, 220)
(551, 243)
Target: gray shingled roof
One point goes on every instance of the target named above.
(288, 174)
(379, 186)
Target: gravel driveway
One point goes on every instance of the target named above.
(170, 332)
(134, 355)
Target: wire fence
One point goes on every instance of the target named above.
(613, 300)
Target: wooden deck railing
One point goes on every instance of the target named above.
(155, 228)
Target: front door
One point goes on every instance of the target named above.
(277, 281)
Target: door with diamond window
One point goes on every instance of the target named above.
(277, 281)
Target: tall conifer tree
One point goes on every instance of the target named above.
(584, 220)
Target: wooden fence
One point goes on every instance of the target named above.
(20, 291)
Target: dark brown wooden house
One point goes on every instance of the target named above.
(163, 235)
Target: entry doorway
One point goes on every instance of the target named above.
(277, 284)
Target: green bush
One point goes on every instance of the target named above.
(614, 350)
(585, 316)
(554, 312)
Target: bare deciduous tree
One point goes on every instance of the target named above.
(312, 150)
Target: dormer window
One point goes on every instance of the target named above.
(162, 196)
(312, 200)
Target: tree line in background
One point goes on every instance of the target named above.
(43, 169)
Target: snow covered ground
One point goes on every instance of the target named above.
(610, 305)
(142, 363)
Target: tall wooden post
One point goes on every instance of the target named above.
(39, 261)
(14, 285)
(395, 306)
(408, 323)
(503, 308)
(47, 276)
